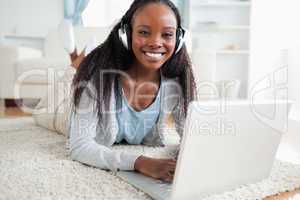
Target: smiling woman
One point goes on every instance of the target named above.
(126, 88)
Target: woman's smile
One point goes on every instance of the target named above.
(152, 56)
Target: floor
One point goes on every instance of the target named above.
(13, 112)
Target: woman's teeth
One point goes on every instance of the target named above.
(154, 55)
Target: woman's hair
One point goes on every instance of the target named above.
(112, 55)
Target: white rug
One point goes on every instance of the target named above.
(34, 164)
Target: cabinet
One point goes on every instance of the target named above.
(220, 40)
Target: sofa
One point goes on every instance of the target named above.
(30, 73)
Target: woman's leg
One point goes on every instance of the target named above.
(66, 34)
(77, 59)
(55, 117)
(67, 37)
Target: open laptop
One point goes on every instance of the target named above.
(225, 145)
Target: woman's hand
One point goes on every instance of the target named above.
(162, 169)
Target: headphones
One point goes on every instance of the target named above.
(125, 37)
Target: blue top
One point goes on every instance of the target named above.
(134, 125)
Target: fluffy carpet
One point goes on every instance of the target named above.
(34, 164)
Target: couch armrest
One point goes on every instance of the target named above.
(27, 53)
(14, 53)
(9, 55)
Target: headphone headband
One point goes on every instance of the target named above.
(125, 37)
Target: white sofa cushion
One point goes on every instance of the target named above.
(35, 71)
(9, 55)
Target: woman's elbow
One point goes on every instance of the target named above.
(73, 153)
(75, 147)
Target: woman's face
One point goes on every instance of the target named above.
(153, 35)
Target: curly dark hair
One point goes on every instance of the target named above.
(112, 55)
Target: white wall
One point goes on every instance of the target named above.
(29, 17)
(294, 80)
(275, 42)
(104, 13)
(267, 39)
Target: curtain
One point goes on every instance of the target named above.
(73, 10)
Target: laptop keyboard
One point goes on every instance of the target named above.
(164, 186)
(157, 189)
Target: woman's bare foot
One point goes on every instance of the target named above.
(77, 59)
(73, 55)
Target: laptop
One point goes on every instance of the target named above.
(224, 145)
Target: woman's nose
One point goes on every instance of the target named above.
(155, 41)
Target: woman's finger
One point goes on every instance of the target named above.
(171, 166)
(169, 176)
(171, 173)
(172, 161)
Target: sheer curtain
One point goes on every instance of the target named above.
(73, 10)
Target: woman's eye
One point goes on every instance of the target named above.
(143, 33)
(168, 35)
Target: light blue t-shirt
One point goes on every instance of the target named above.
(134, 125)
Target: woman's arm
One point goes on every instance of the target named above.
(85, 149)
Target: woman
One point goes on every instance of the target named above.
(126, 87)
